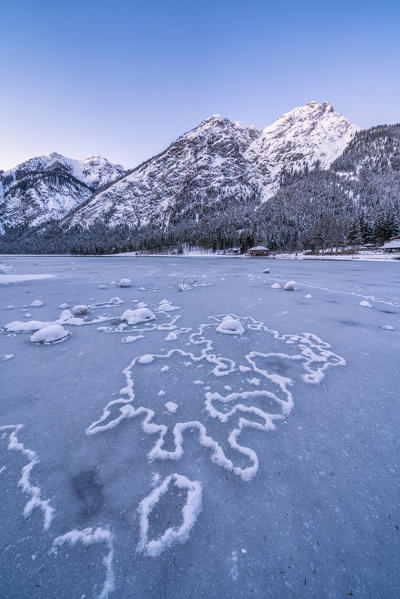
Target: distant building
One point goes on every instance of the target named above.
(393, 245)
(259, 250)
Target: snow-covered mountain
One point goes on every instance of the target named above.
(49, 187)
(299, 139)
(219, 163)
(204, 166)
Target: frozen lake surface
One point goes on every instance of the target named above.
(202, 432)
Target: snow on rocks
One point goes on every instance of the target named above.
(388, 327)
(171, 406)
(137, 316)
(230, 326)
(6, 357)
(125, 283)
(50, 334)
(80, 310)
(308, 296)
(36, 303)
(63, 306)
(290, 286)
(266, 271)
(275, 286)
(365, 304)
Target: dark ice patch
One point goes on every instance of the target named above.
(89, 491)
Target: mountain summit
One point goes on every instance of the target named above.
(298, 140)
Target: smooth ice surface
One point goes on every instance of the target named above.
(148, 455)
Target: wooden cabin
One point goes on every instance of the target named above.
(259, 250)
(393, 245)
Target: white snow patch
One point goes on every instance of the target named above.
(137, 316)
(365, 304)
(125, 283)
(18, 326)
(171, 406)
(36, 303)
(275, 286)
(190, 512)
(290, 286)
(230, 326)
(50, 334)
(132, 338)
(146, 359)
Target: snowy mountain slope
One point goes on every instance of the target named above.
(217, 165)
(220, 161)
(48, 187)
(204, 166)
(299, 139)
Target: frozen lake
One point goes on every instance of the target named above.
(230, 439)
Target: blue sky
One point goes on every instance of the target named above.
(124, 79)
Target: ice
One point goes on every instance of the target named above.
(23, 278)
(151, 455)
(49, 334)
(132, 338)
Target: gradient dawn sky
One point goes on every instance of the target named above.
(124, 78)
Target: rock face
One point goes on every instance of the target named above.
(49, 187)
(219, 163)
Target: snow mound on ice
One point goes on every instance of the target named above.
(276, 286)
(171, 406)
(18, 326)
(365, 304)
(230, 326)
(36, 303)
(49, 334)
(290, 286)
(125, 283)
(166, 306)
(146, 359)
(137, 316)
(266, 271)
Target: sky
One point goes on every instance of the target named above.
(124, 78)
